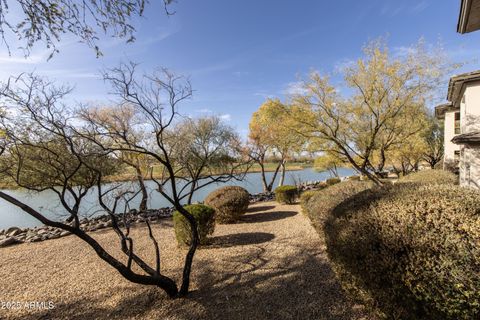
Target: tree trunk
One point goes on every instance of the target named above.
(383, 159)
(282, 176)
(270, 185)
(190, 196)
(141, 182)
(264, 178)
(163, 282)
(187, 268)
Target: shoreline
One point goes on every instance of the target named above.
(125, 177)
(15, 235)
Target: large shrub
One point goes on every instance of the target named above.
(412, 250)
(319, 204)
(204, 215)
(286, 194)
(230, 203)
(431, 177)
(305, 198)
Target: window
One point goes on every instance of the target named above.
(457, 122)
(456, 156)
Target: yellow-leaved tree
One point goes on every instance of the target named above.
(271, 138)
(387, 101)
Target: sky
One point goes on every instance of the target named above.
(239, 53)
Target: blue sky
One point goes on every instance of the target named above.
(238, 53)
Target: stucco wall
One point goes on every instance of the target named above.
(450, 147)
(470, 109)
(470, 122)
(470, 167)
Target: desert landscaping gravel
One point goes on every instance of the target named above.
(271, 265)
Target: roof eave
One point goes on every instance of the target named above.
(463, 16)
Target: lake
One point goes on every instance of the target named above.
(48, 203)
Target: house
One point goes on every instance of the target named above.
(450, 115)
(469, 18)
(462, 116)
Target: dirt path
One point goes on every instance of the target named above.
(271, 265)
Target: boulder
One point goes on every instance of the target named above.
(64, 233)
(8, 242)
(43, 231)
(13, 231)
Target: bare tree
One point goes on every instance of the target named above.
(122, 118)
(37, 104)
(33, 21)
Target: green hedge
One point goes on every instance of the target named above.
(431, 177)
(410, 250)
(319, 204)
(286, 194)
(230, 203)
(305, 198)
(204, 215)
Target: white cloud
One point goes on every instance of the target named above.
(5, 58)
(294, 88)
(403, 51)
(264, 95)
(226, 117)
(204, 110)
(240, 73)
(390, 11)
(420, 7)
(342, 64)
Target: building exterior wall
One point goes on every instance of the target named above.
(470, 108)
(470, 166)
(470, 122)
(450, 147)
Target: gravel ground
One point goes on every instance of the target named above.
(271, 265)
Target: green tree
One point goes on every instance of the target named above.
(204, 151)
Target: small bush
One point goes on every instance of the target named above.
(321, 185)
(204, 215)
(333, 181)
(431, 177)
(230, 203)
(286, 194)
(412, 250)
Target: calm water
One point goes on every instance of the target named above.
(47, 202)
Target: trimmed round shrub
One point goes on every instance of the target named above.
(286, 194)
(205, 217)
(230, 203)
(431, 176)
(333, 181)
(410, 250)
